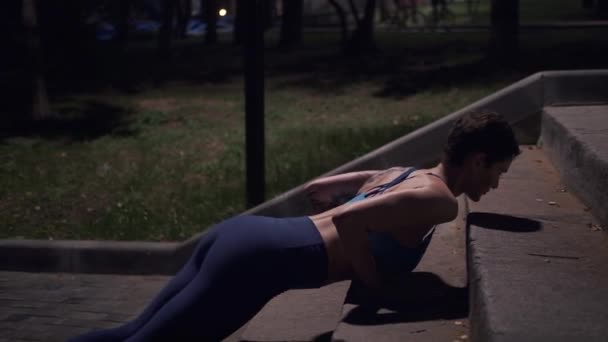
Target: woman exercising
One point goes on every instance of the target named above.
(380, 233)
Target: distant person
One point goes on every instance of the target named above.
(380, 233)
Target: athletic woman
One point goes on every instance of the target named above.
(380, 233)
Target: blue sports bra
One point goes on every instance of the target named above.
(392, 258)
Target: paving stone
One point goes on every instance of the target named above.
(49, 307)
(298, 315)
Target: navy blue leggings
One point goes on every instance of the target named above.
(236, 268)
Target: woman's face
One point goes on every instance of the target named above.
(485, 177)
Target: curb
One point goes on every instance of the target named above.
(118, 257)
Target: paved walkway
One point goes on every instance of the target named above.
(52, 307)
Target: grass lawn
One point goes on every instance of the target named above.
(131, 155)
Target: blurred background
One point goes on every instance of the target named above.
(125, 119)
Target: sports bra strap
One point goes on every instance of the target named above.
(383, 187)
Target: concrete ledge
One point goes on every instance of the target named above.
(89, 256)
(576, 140)
(537, 272)
(575, 87)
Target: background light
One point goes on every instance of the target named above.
(223, 12)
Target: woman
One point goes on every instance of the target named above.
(381, 233)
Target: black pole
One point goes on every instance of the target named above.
(254, 102)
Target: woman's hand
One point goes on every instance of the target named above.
(355, 241)
(329, 192)
(367, 273)
(321, 198)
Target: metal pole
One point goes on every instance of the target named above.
(254, 102)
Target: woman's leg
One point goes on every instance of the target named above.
(236, 279)
(174, 286)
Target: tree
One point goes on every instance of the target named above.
(166, 28)
(38, 99)
(210, 13)
(184, 9)
(122, 28)
(587, 4)
(363, 37)
(343, 23)
(63, 35)
(240, 18)
(601, 8)
(504, 45)
(291, 23)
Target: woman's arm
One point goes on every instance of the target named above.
(355, 242)
(329, 192)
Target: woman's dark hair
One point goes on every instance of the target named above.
(485, 132)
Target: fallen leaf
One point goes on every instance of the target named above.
(595, 227)
(417, 331)
(458, 323)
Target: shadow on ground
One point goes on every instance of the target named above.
(422, 296)
(85, 121)
(503, 222)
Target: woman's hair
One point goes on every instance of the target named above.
(485, 132)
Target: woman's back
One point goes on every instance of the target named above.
(339, 264)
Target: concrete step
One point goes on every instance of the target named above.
(576, 141)
(537, 260)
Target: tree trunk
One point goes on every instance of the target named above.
(343, 23)
(363, 38)
(588, 4)
(504, 38)
(355, 12)
(240, 17)
(63, 36)
(184, 10)
(124, 12)
(385, 10)
(291, 24)
(166, 28)
(210, 13)
(601, 9)
(39, 101)
(14, 88)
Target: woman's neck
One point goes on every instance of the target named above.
(450, 175)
